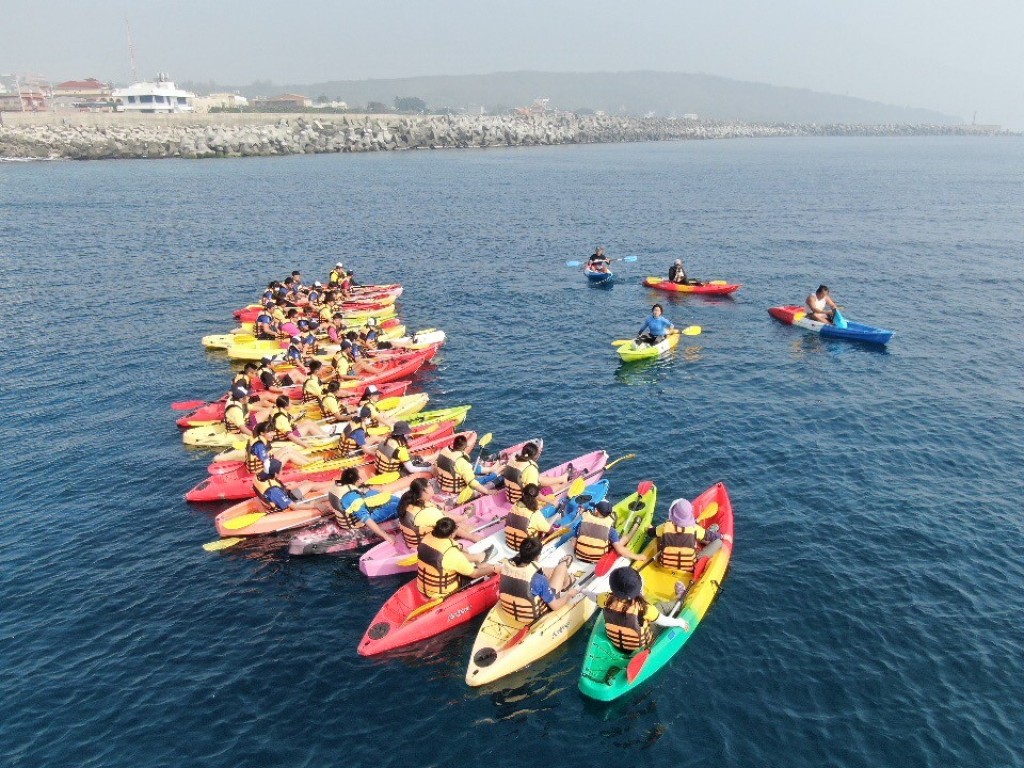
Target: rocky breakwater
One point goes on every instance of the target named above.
(194, 137)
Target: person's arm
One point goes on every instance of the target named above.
(644, 327)
(541, 587)
(831, 302)
(620, 548)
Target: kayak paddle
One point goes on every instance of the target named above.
(709, 511)
(243, 521)
(213, 546)
(629, 259)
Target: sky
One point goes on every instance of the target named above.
(959, 58)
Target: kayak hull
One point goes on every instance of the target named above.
(716, 288)
(599, 278)
(604, 676)
(797, 316)
(331, 539)
(632, 352)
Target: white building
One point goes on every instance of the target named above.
(161, 96)
(219, 101)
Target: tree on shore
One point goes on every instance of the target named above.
(410, 104)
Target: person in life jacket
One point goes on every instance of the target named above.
(368, 410)
(259, 450)
(315, 296)
(526, 591)
(522, 470)
(682, 541)
(331, 407)
(264, 326)
(628, 617)
(595, 535)
(337, 274)
(528, 518)
(272, 492)
(313, 386)
(442, 565)
(417, 514)
(393, 454)
(349, 500)
(237, 418)
(336, 329)
(454, 471)
(286, 428)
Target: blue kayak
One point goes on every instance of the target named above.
(794, 315)
(599, 278)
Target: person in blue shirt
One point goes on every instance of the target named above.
(526, 591)
(273, 493)
(355, 506)
(595, 535)
(655, 327)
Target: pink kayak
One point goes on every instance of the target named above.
(486, 513)
(330, 538)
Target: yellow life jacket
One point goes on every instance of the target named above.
(345, 516)
(515, 595)
(336, 276)
(330, 407)
(678, 547)
(341, 364)
(326, 314)
(262, 486)
(432, 580)
(513, 474)
(312, 389)
(348, 442)
(411, 532)
(387, 456)
(592, 541)
(282, 424)
(517, 526)
(625, 625)
(236, 406)
(253, 463)
(447, 475)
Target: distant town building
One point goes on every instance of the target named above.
(25, 98)
(284, 101)
(88, 95)
(219, 101)
(161, 96)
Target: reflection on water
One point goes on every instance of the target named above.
(645, 372)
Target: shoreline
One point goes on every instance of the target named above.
(107, 136)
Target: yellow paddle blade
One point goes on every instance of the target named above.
(718, 282)
(378, 431)
(424, 608)
(213, 546)
(405, 562)
(693, 330)
(709, 511)
(388, 403)
(627, 457)
(377, 500)
(484, 441)
(238, 445)
(243, 521)
(383, 479)
(620, 342)
(578, 486)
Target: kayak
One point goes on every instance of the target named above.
(633, 351)
(486, 513)
(288, 519)
(605, 674)
(330, 538)
(794, 315)
(245, 332)
(236, 482)
(366, 292)
(217, 436)
(713, 288)
(504, 645)
(248, 348)
(599, 278)
(394, 625)
(212, 413)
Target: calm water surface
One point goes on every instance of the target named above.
(872, 612)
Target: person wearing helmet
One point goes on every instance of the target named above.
(272, 492)
(393, 454)
(628, 617)
(594, 535)
(682, 541)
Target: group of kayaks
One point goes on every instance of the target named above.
(504, 644)
(635, 350)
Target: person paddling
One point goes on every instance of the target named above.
(418, 514)
(598, 262)
(655, 327)
(526, 591)
(820, 305)
(443, 566)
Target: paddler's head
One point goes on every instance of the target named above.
(529, 550)
(681, 513)
(626, 583)
(444, 528)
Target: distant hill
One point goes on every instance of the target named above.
(633, 93)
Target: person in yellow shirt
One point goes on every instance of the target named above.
(417, 514)
(454, 471)
(443, 566)
(526, 518)
(522, 469)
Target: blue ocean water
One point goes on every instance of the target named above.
(871, 614)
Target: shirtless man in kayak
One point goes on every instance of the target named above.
(820, 306)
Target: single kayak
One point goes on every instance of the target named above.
(330, 538)
(639, 351)
(395, 626)
(712, 288)
(504, 645)
(486, 514)
(599, 278)
(605, 675)
(794, 315)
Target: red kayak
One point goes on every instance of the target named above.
(381, 358)
(236, 483)
(714, 288)
(211, 413)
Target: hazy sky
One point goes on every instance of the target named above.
(954, 56)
